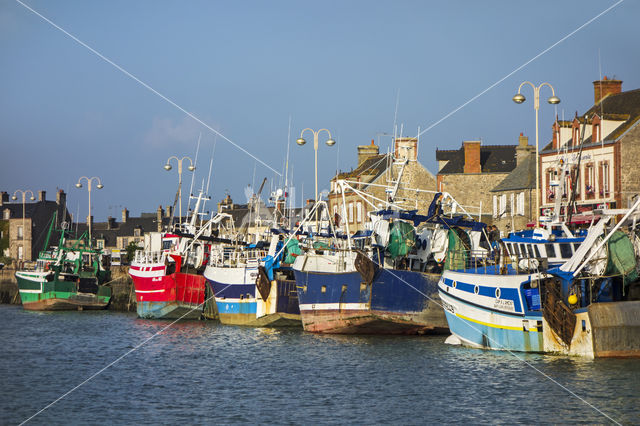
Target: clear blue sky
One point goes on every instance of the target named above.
(245, 67)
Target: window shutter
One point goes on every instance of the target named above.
(495, 206)
(521, 204)
(503, 204)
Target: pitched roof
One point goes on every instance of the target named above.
(623, 106)
(522, 177)
(493, 159)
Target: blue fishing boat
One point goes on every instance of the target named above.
(385, 280)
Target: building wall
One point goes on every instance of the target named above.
(592, 157)
(512, 218)
(630, 165)
(16, 242)
(471, 190)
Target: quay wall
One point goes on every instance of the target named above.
(123, 297)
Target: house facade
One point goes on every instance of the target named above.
(593, 159)
(471, 172)
(24, 226)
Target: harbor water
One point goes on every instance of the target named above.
(199, 372)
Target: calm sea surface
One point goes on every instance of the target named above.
(205, 373)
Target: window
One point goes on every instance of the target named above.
(100, 244)
(20, 232)
(551, 250)
(20, 253)
(7, 214)
(136, 232)
(503, 204)
(359, 212)
(589, 181)
(603, 179)
(552, 185)
(520, 207)
(512, 203)
(350, 212)
(565, 250)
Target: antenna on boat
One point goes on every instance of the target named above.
(574, 184)
(195, 164)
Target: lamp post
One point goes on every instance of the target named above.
(191, 168)
(24, 195)
(329, 142)
(99, 186)
(519, 98)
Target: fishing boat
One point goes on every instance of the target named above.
(251, 285)
(385, 280)
(167, 276)
(588, 306)
(70, 276)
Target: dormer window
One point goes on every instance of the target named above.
(596, 131)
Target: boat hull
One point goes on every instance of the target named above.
(601, 330)
(39, 294)
(396, 302)
(239, 302)
(172, 296)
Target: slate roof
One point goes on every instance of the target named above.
(146, 223)
(493, 159)
(522, 177)
(619, 106)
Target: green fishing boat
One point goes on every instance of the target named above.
(69, 276)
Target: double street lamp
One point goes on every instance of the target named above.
(99, 186)
(519, 98)
(329, 142)
(24, 195)
(191, 168)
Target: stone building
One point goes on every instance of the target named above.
(383, 177)
(602, 165)
(22, 236)
(469, 174)
(514, 200)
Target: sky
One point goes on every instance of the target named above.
(260, 72)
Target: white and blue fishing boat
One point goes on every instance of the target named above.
(590, 305)
(251, 285)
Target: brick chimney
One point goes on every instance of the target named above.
(167, 211)
(406, 148)
(472, 156)
(605, 87)
(61, 198)
(523, 150)
(111, 222)
(367, 151)
(42, 195)
(4, 197)
(125, 215)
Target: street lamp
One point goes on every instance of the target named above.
(191, 168)
(519, 98)
(99, 186)
(24, 195)
(329, 142)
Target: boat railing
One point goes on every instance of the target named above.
(232, 257)
(149, 256)
(496, 262)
